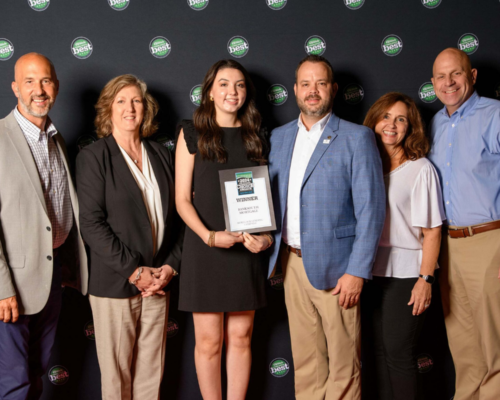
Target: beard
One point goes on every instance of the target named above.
(38, 114)
(318, 110)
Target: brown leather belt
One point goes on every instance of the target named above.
(295, 251)
(473, 230)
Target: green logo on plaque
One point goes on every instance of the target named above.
(81, 48)
(195, 95)
(392, 45)
(118, 5)
(427, 93)
(315, 45)
(244, 182)
(39, 5)
(276, 4)
(277, 95)
(88, 329)
(160, 47)
(354, 4)
(58, 375)
(238, 46)
(198, 5)
(353, 94)
(468, 43)
(6, 49)
(279, 367)
(431, 3)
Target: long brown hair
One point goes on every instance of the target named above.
(415, 144)
(210, 141)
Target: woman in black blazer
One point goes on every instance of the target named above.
(128, 220)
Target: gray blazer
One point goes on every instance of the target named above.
(25, 230)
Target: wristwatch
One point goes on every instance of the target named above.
(428, 278)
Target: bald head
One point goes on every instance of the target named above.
(32, 58)
(453, 55)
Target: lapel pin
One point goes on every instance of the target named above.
(327, 141)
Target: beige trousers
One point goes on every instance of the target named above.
(131, 337)
(470, 290)
(324, 336)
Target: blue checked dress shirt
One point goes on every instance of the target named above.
(465, 149)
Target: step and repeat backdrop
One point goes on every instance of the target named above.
(375, 46)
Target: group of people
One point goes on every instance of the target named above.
(361, 214)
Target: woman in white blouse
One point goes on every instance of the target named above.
(394, 303)
(128, 220)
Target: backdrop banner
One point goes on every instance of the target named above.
(375, 46)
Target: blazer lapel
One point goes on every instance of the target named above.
(324, 143)
(288, 145)
(16, 135)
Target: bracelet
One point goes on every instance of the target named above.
(137, 277)
(211, 239)
(269, 239)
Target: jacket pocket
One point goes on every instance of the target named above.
(17, 261)
(345, 231)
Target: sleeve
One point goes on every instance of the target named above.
(6, 286)
(94, 227)
(190, 135)
(427, 210)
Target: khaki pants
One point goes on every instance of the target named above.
(324, 336)
(131, 338)
(470, 290)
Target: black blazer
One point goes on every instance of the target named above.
(114, 221)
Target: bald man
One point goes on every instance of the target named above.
(38, 229)
(466, 152)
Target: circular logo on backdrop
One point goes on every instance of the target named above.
(84, 141)
(160, 47)
(195, 95)
(427, 93)
(424, 363)
(6, 49)
(468, 43)
(39, 5)
(198, 5)
(277, 94)
(279, 367)
(315, 45)
(166, 141)
(88, 329)
(276, 282)
(431, 3)
(497, 91)
(353, 94)
(276, 4)
(354, 4)
(392, 45)
(238, 46)
(81, 48)
(58, 375)
(118, 5)
(172, 328)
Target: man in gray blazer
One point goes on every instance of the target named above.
(38, 229)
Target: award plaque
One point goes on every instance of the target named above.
(247, 200)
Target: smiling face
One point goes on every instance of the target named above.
(35, 86)
(453, 79)
(229, 91)
(314, 90)
(127, 110)
(392, 128)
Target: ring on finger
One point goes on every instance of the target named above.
(426, 305)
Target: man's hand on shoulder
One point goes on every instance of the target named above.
(349, 287)
(8, 309)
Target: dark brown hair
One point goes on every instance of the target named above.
(317, 59)
(102, 122)
(415, 144)
(210, 141)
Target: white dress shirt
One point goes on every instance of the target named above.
(150, 190)
(53, 176)
(305, 143)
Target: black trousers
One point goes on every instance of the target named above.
(389, 334)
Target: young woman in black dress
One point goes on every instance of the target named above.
(223, 279)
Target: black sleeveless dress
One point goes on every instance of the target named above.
(214, 279)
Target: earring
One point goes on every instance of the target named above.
(211, 98)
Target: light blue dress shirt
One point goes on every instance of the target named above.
(465, 149)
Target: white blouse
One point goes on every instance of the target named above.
(414, 201)
(146, 181)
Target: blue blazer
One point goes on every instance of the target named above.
(342, 200)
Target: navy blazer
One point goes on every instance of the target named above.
(342, 200)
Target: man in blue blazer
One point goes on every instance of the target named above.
(329, 201)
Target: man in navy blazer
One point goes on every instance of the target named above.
(329, 200)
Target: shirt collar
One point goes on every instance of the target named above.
(318, 125)
(31, 130)
(464, 109)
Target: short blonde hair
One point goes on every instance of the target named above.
(102, 122)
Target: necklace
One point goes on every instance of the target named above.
(136, 161)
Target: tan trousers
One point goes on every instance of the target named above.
(130, 338)
(324, 336)
(470, 290)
